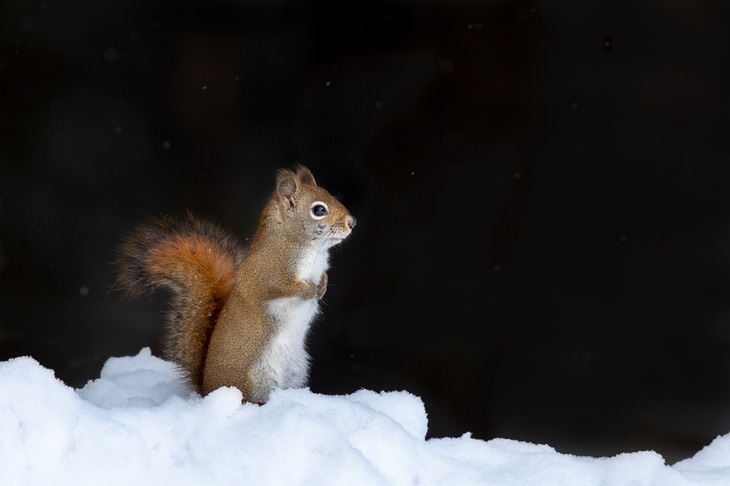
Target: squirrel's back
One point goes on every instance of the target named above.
(197, 261)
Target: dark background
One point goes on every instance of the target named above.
(541, 190)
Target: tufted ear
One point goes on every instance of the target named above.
(288, 188)
(305, 176)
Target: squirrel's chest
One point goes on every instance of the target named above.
(292, 316)
(311, 264)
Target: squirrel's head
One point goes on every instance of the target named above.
(312, 210)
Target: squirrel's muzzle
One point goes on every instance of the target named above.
(350, 221)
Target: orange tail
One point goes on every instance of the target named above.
(197, 261)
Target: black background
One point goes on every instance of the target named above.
(541, 191)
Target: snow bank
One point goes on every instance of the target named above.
(137, 424)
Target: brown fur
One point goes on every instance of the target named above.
(220, 321)
(197, 261)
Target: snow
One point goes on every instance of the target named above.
(139, 424)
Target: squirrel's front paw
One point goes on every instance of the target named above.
(322, 287)
(308, 290)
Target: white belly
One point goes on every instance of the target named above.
(285, 362)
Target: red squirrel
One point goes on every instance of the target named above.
(239, 317)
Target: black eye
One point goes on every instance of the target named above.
(319, 210)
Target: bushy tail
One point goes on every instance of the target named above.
(197, 261)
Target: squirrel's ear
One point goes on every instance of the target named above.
(305, 176)
(287, 188)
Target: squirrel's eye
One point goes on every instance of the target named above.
(319, 210)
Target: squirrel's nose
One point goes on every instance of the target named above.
(351, 222)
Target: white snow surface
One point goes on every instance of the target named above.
(139, 425)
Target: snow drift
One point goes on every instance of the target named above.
(138, 424)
